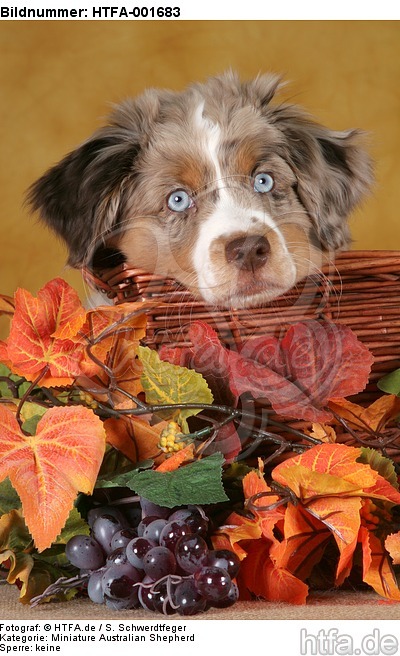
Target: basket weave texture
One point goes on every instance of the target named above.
(360, 289)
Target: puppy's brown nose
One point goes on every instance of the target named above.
(248, 253)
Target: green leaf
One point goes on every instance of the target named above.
(390, 383)
(5, 391)
(198, 483)
(384, 466)
(75, 525)
(9, 499)
(166, 383)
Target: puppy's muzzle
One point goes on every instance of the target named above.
(248, 253)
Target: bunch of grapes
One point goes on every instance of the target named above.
(154, 559)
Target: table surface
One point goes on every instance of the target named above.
(327, 605)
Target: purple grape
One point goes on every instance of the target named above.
(122, 604)
(104, 529)
(161, 600)
(94, 586)
(152, 509)
(197, 524)
(213, 583)
(224, 559)
(171, 533)
(117, 557)
(136, 550)
(179, 515)
(188, 599)
(84, 551)
(153, 530)
(122, 537)
(144, 523)
(158, 562)
(145, 595)
(190, 551)
(230, 599)
(94, 513)
(118, 581)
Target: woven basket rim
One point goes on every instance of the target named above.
(116, 282)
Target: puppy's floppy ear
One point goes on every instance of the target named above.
(83, 197)
(333, 171)
(80, 198)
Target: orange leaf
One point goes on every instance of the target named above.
(262, 578)
(106, 325)
(374, 417)
(42, 336)
(322, 432)
(174, 461)
(306, 538)
(134, 437)
(392, 545)
(254, 483)
(377, 570)
(342, 516)
(49, 468)
(237, 529)
(337, 463)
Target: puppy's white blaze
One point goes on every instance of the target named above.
(211, 133)
(228, 217)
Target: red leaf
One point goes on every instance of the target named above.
(313, 363)
(298, 374)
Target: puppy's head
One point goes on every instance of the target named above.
(216, 186)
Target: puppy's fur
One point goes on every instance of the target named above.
(233, 195)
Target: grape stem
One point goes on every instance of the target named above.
(63, 584)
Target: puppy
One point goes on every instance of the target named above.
(235, 196)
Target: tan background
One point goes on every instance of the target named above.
(58, 79)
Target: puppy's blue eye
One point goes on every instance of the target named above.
(263, 182)
(179, 201)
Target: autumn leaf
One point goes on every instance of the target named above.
(238, 530)
(254, 484)
(325, 469)
(208, 357)
(304, 543)
(43, 337)
(165, 383)
(259, 574)
(390, 383)
(176, 459)
(135, 437)
(14, 540)
(113, 334)
(48, 469)
(314, 362)
(373, 417)
(392, 545)
(377, 570)
(322, 432)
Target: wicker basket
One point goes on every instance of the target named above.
(361, 289)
